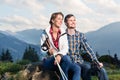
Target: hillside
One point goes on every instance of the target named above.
(30, 36)
(106, 40)
(16, 46)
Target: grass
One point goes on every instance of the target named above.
(114, 77)
(111, 77)
(113, 74)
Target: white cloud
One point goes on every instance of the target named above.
(18, 23)
(16, 20)
(110, 20)
(105, 6)
(90, 14)
(71, 6)
(85, 24)
(13, 23)
(33, 5)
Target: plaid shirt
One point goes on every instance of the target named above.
(76, 43)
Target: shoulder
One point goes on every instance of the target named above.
(63, 32)
(43, 34)
(80, 33)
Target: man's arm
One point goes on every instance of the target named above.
(89, 50)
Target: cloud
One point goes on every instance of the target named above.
(76, 7)
(90, 14)
(33, 5)
(18, 23)
(105, 6)
(110, 20)
(86, 24)
(16, 20)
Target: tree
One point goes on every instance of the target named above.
(115, 57)
(116, 61)
(6, 56)
(30, 54)
(97, 55)
(106, 58)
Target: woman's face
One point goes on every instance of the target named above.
(58, 20)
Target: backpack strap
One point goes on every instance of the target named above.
(63, 34)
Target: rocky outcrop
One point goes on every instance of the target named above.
(35, 72)
(32, 71)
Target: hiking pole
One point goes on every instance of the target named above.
(60, 69)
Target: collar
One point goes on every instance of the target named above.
(51, 31)
(76, 32)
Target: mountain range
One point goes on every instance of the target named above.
(30, 36)
(15, 46)
(105, 40)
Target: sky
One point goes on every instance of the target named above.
(18, 15)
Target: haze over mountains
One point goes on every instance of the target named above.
(103, 40)
(30, 36)
(15, 46)
(106, 40)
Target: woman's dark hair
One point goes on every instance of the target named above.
(54, 15)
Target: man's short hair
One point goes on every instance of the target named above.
(67, 17)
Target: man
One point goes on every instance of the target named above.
(57, 45)
(77, 41)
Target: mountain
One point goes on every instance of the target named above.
(30, 36)
(16, 46)
(106, 40)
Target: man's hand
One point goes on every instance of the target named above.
(97, 65)
(101, 65)
(58, 59)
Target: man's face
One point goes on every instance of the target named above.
(71, 22)
(58, 20)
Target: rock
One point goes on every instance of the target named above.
(32, 71)
(35, 72)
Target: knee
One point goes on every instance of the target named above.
(66, 58)
(77, 67)
(87, 66)
(102, 70)
(78, 70)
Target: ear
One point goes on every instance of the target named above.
(52, 21)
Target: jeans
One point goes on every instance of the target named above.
(86, 72)
(65, 64)
(102, 74)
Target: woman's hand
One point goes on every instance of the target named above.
(51, 51)
(58, 59)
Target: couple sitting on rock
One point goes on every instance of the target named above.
(60, 49)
